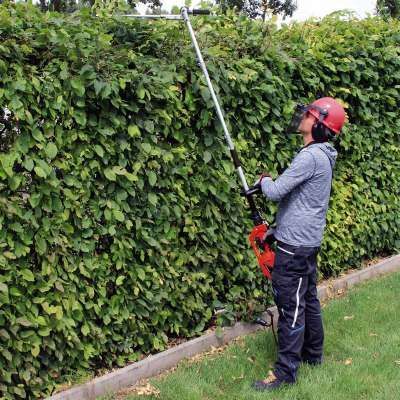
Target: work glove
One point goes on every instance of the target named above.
(257, 183)
(256, 188)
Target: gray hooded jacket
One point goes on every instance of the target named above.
(303, 192)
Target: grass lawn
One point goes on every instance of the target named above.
(362, 357)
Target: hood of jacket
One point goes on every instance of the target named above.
(329, 150)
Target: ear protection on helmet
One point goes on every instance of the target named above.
(320, 133)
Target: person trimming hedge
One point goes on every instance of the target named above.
(303, 192)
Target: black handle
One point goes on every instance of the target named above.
(254, 213)
(252, 191)
(200, 11)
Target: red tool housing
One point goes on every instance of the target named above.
(265, 255)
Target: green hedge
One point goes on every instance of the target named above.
(121, 220)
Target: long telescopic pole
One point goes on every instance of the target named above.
(255, 214)
(231, 146)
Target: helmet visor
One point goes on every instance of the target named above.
(297, 117)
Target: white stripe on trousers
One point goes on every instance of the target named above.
(297, 303)
(286, 251)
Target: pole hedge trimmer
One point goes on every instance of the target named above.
(261, 236)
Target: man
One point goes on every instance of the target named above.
(303, 192)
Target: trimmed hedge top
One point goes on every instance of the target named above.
(120, 214)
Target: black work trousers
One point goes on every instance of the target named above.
(300, 329)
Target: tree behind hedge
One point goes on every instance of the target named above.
(388, 8)
(121, 220)
(260, 8)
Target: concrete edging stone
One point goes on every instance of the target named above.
(154, 364)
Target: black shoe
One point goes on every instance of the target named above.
(270, 383)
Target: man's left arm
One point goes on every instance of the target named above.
(301, 169)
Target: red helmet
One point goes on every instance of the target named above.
(335, 115)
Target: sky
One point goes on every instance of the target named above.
(318, 8)
(307, 8)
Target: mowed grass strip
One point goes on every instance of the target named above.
(362, 357)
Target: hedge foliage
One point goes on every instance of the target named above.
(121, 220)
